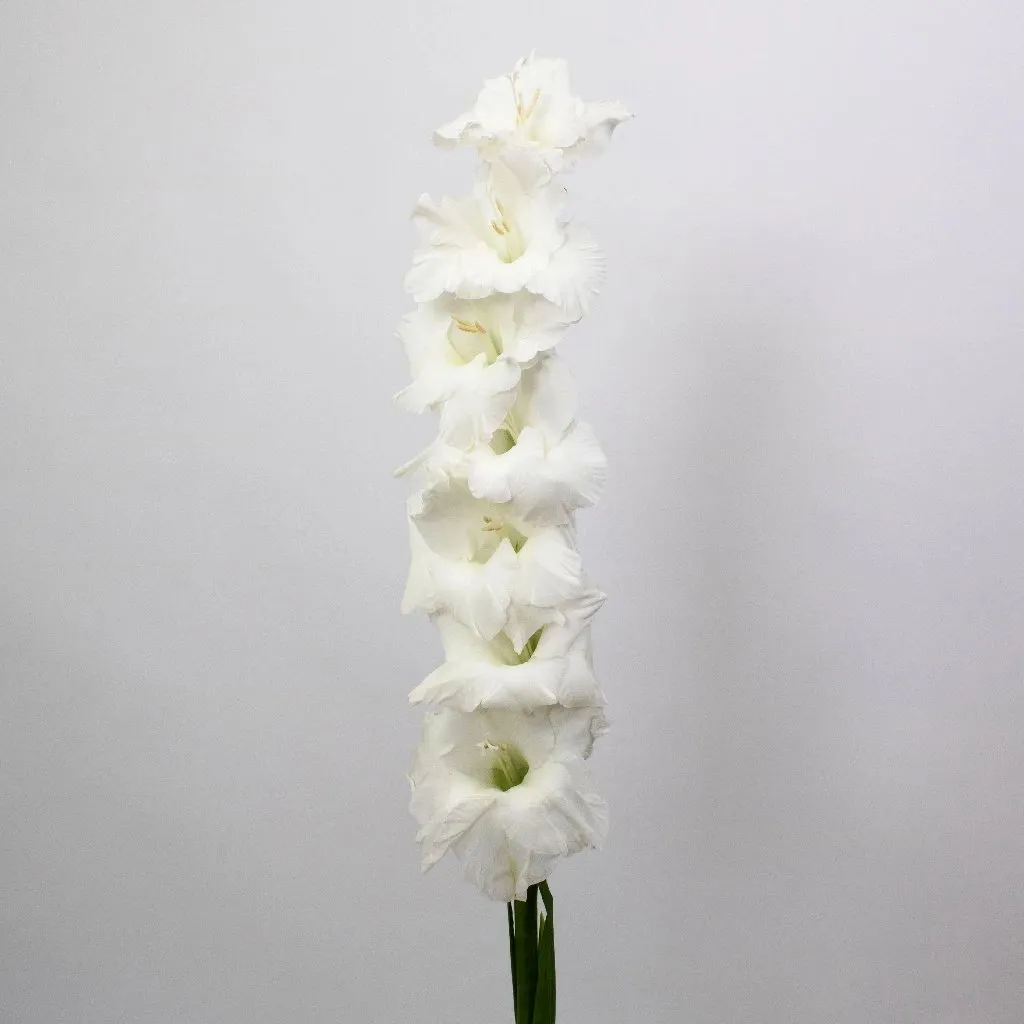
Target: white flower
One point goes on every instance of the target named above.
(472, 558)
(544, 478)
(550, 464)
(531, 120)
(523, 448)
(553, 667)
(465, 358)
(504, 239)
(509, 793)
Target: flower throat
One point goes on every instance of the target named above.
(509, 767)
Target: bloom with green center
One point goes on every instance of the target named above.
(508, 793)
(478, 562)
(553, 667)
(466, 358)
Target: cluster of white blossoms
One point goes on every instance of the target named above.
(500, 777)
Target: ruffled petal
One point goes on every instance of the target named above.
(574, 273)
(550, 569)
(531, 120)
(491, 674)
(548, 399)
(497, 240)
(544, 484)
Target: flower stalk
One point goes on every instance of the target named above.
(532, 952)
(501, 777)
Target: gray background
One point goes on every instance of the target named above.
(806, 368)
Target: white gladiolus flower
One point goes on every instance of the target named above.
(509, 793)
(471, 558)
(504, 239)
(545, 479)
(553, 667)
(465, 358)
(536, 457)
(519, 327)
(542, 460)
(531, 120)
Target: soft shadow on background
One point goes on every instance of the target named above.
(805, 368)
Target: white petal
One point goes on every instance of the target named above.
(540, 325)
(443, 514)
(450, 573)
(419, 590)
(597, 123)
(548, 74)
(468, 685)
(548, 398)
(544, 484)
(579, 611)
(466, 256)
(499, 477)
(578, 465)
(550, 569)
(477, 595)
(574, 273)
(478, 402)
(526, 619)
(437, 463)
(531, 121)
(481, 674)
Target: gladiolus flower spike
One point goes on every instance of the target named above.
(500, 277)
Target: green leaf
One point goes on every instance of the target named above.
(544, 1002)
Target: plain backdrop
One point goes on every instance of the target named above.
(806, 368)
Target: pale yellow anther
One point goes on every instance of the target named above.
(523, 113)
(469, 326)
(492, 525)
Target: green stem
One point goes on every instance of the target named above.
(544, 1004)
(531, 944)
(512, 958)
(525, 914)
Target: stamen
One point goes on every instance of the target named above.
(493, 525)
(514, 81)
(474, 327)
(523, 113)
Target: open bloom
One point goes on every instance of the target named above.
(473, 559)
(544, 477)
(465, 357)
(531, 120)
(543, 461)
(509, 793)
(504, 239)
(553, 667)
(523, 449)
